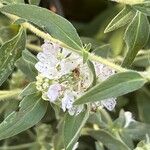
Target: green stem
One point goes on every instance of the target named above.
(106, 62)
(6, 95)
(50, 38)
(33, 47)
(21, 146)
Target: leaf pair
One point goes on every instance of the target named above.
(136, 34)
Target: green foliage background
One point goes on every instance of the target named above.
(28, 122)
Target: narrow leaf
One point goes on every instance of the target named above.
(136, 36)
(29, 89)
(144, 7)
(72, 128)
(54, 24)
(133, 130)
(121, 19)
(109, 140)
(9, 53)
(117, 85)
(32, 110)
(143, 103)
(27, 65)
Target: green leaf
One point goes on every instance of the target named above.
(54, 24)
(34, 2)
(121, 19)
(99, 146)
(32, 110)
(143, 103)
(117, 85)
(9, 53)
(58, 140)
(92, 74)
(111, 142)
(27, 65)
(144, 7)
(8, 32)
(11, 1)
(29, 89)
(136, 36)
(72, 128)
(94, 43)
(142, 61)
(28, 56)
(133, 130)
(102, 51)
(85, 56)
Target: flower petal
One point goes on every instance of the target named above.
(109, 103)
(54, 92)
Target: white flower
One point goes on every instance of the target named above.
(103, 71)
(67, 104)
(67, 65)
(67, 101)
(51, 60)
(75, 110)
(55, 61)
(128, 119)
(69, 62)
(109, 103)
(54, 92)
(46, 70)
(50, 48)
(85, 75)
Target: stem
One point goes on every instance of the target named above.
(5, 95)
(106, 62)
(50, 38)
(33, 47)
(21, 146)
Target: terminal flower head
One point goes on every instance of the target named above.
(63, 78)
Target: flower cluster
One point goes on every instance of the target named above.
(63, 77)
